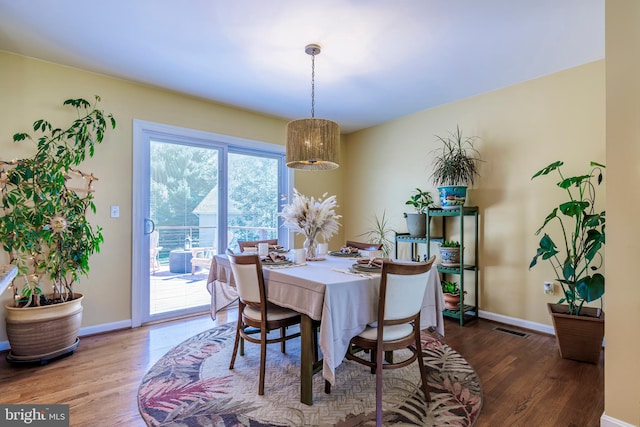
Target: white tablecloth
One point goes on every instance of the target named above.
(344, 303)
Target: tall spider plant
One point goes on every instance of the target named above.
(456, 161)
(379, 234)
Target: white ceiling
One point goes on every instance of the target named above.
(380, 59)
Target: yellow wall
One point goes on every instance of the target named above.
(622, 363)
(32, 89)
(522, 129)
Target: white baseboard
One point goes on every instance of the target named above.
(607, 421)
(539, 327)
(89, 330)
(105, 327)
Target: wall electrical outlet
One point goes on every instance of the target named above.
(115, 211)
(548, 288)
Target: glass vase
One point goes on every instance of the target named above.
(311, 247)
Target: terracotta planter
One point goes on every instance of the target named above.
(578, 337)
(452, 301)
(43, 333)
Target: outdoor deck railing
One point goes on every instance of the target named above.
(175, 236)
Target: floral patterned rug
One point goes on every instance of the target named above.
(192, 386)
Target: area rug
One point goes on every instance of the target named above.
(192, 385)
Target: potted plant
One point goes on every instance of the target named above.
(450, 253)
(417, 222)
(379, 234)
(455, 167)
(46, 233)
(451, 293)
(576, 261)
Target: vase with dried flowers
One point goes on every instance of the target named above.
(311, 217)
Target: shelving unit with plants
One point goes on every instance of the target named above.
(468, 308)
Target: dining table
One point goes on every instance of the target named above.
(327, 291)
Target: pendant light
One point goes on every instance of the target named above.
(313, 144)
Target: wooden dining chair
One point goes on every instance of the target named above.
(402, 288)
(254, 243)
(255, 314)
(364, 246)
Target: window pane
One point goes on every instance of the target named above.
(183, 205)
(253, 198)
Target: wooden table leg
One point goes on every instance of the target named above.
(306, 360)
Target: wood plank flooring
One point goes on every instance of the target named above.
(525, 382)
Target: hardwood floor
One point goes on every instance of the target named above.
(525, 382)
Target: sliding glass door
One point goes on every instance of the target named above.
(198, 194)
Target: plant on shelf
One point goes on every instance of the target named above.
(575, 250)
(379, 234)
(449, 287)
(451, 294)
(421, 200)
(455, 167)
(44, 224)
(417, 222)
(450, 252)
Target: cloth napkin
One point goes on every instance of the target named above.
(371, 262)
(273, 257)
(348, 250)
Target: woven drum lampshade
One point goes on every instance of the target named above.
(313, 144)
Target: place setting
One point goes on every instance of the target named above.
(346, 252)
(274, 260)
(367, 265)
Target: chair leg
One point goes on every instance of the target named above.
(372, 355)
(263, 357)
(235, 346)
(423, 373)
(378, 387)
(283, 345)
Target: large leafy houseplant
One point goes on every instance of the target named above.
(577, 255)
(43, 224)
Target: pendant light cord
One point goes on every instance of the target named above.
(313, 85)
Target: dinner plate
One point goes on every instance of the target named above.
(345, 255)
(279, 250)
(283, 262)
(366, 268)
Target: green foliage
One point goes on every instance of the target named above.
(582, 237)
(449, 287)
(456, 162)
(43, 224)
(379, 234)
(421, 200)
(450, 244)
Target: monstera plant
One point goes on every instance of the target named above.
(575, 251)
(581, 238)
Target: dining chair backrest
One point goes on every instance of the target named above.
(247, 273)
(402, 289)
(364, 246)
(254, 243)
